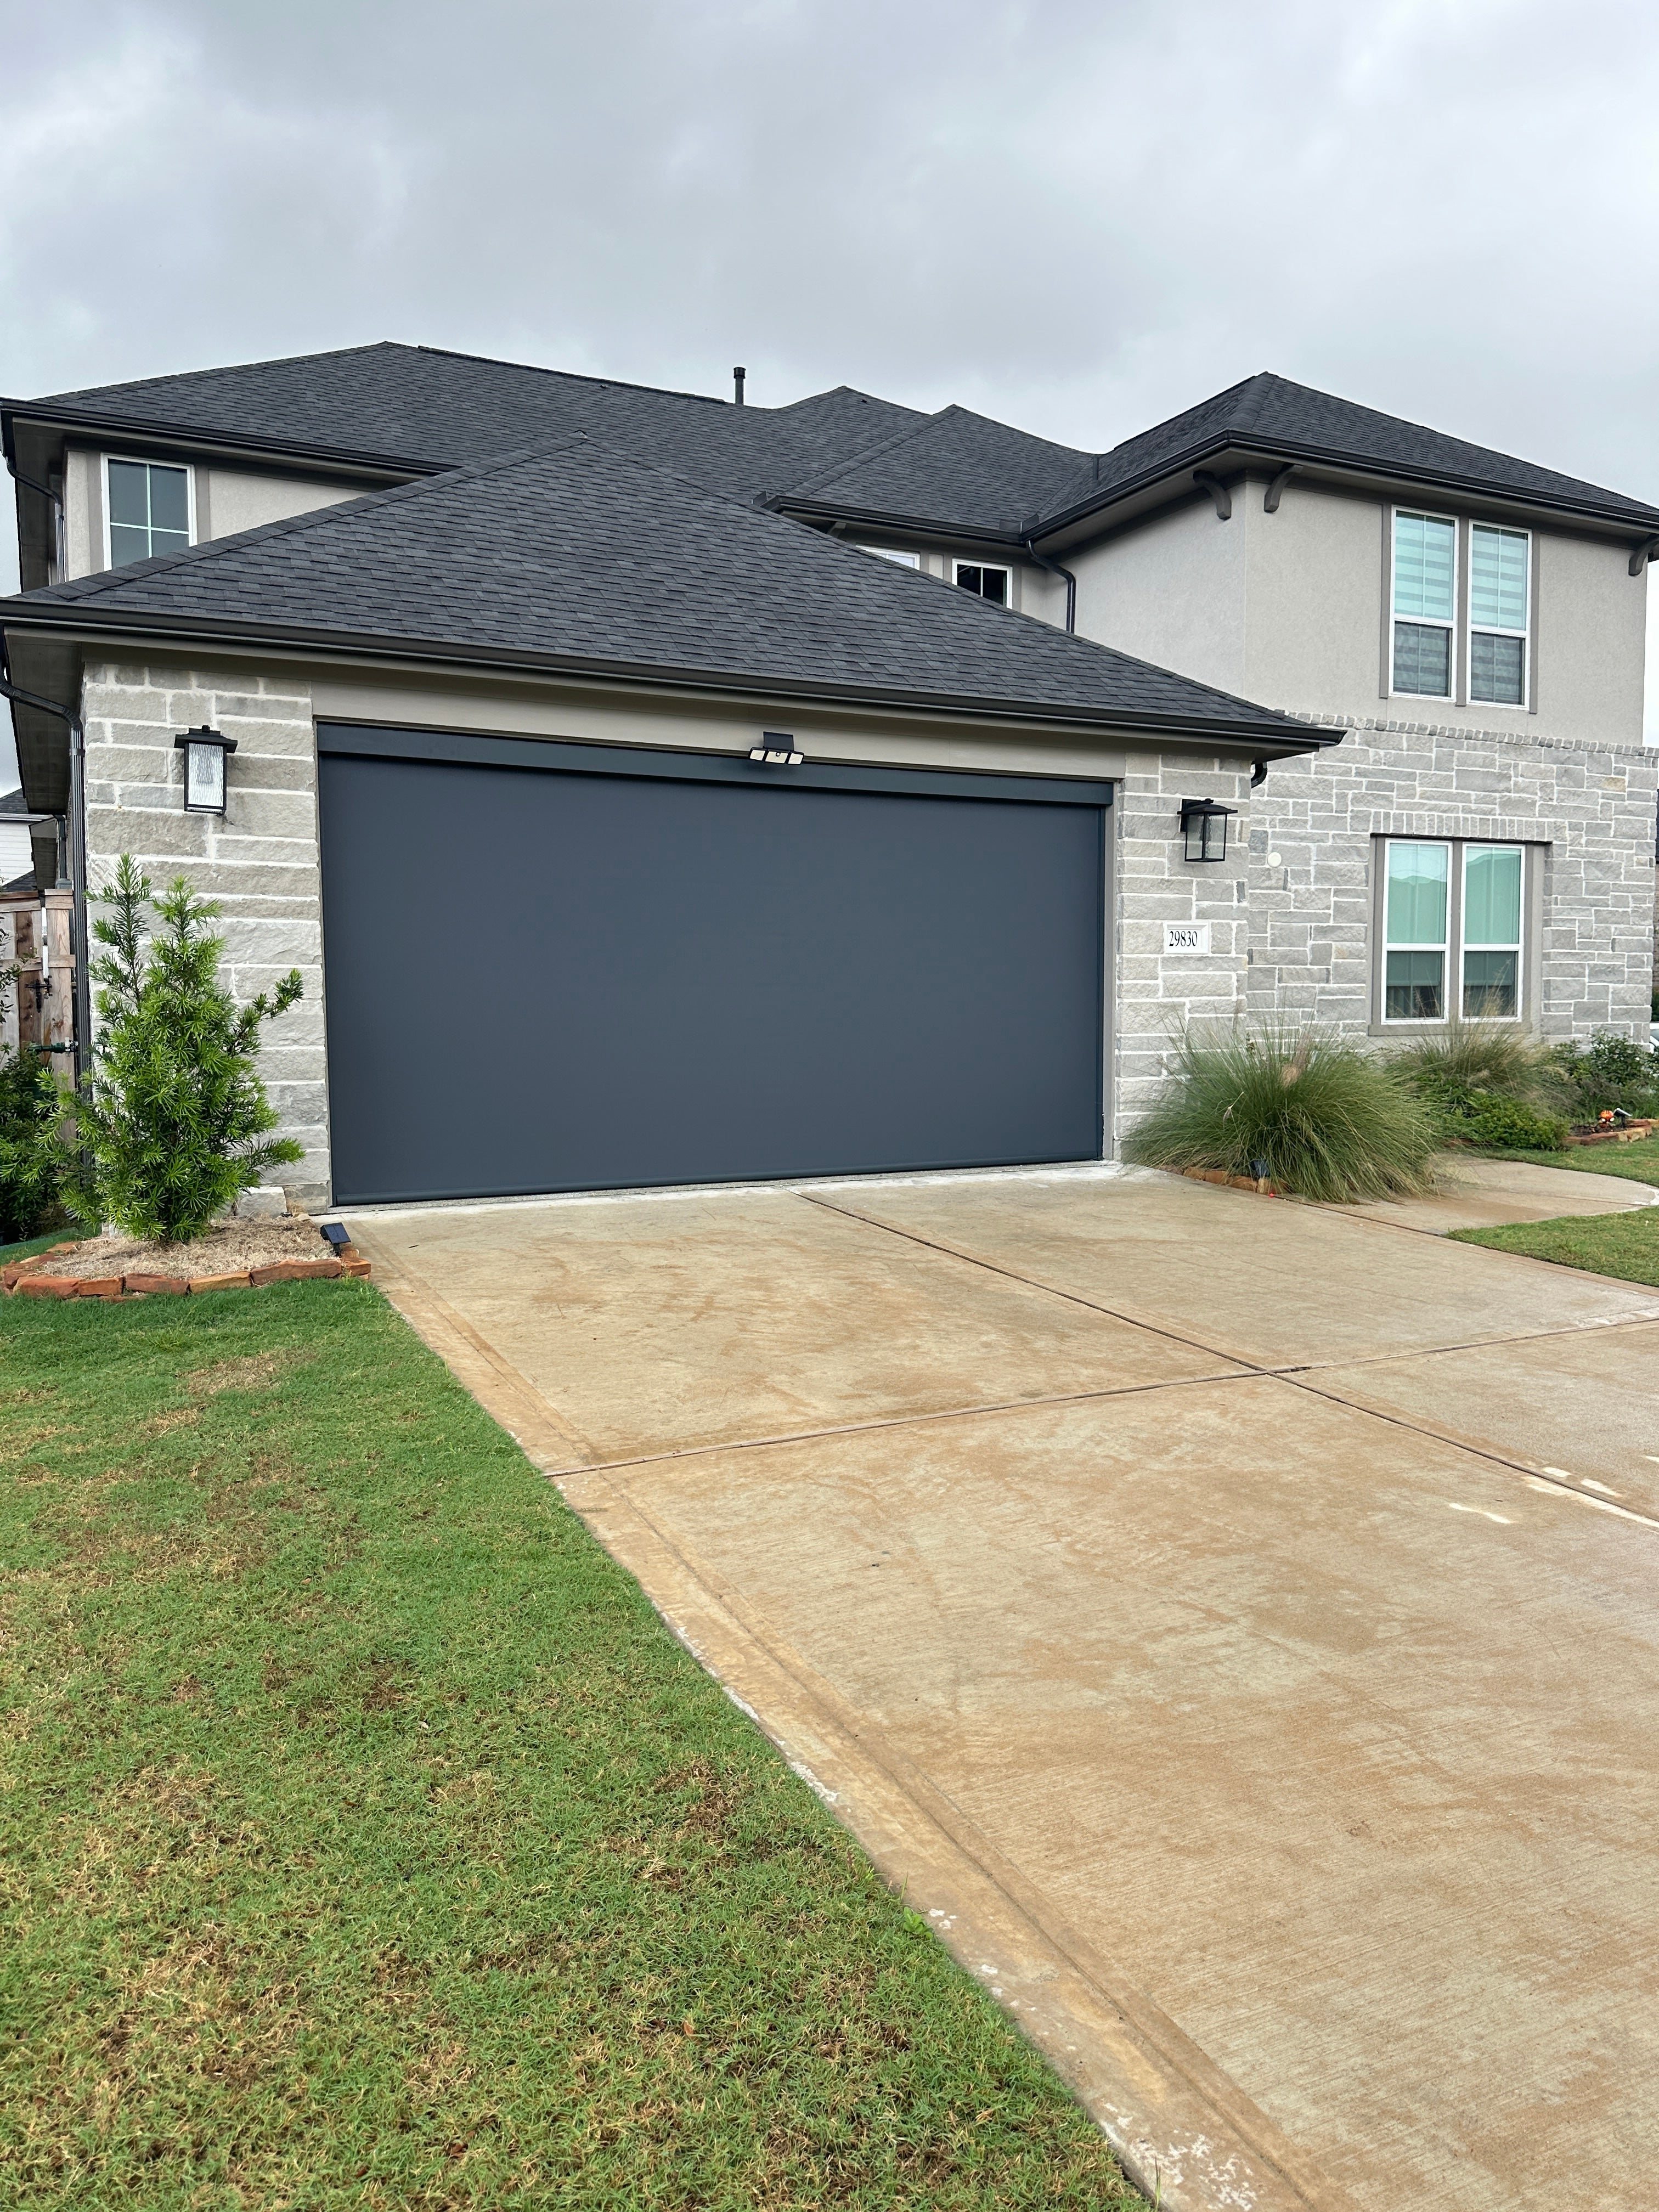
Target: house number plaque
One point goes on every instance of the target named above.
(1186, 937)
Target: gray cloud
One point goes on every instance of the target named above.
(1077, 217)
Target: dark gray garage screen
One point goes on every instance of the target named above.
(557, 967)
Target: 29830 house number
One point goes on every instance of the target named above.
(1186, 937)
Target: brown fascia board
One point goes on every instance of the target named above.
(1274, 736)
(348, 460)
(1244, 451)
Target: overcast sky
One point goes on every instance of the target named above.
(1078, 217)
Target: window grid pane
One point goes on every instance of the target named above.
(1417, 879)
(1497, 577)
(1491, 895)
(1425, 552)
(148, 510)
(1422, 660)
(1414, 986)
(1498, 669)
(1491, 985)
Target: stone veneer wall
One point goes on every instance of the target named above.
(1158, 993)
(1310, 858)
(260, 861)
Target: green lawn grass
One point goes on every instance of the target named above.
(1623, 1244)
(366, 1840)
(1638, 1162)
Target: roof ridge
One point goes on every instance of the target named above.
(225, 369)
(579, 376)
(1257, 386)
(823, 476)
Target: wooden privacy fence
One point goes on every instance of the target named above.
(36, 941)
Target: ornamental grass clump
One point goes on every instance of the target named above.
(1313, 1114)
(174, 1123)
(1491, 1088)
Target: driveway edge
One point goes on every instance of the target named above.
(1186, 2135)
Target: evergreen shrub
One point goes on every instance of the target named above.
(173, 1122)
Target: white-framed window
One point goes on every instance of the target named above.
(892, 553)
(1424, 604)
(985, 583)
(149, 508)
(1453, 914)
(1500, 599)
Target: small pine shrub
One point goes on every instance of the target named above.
(1314, 1113)
(174, 1122)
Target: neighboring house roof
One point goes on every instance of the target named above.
(580, 559)
(13, 802)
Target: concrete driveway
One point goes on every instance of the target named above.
(1237, 1622)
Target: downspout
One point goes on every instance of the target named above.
(1258, 774)
(77, 845)
(56, 498)
(1054, 570)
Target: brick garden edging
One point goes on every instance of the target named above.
(23, 1278)
(1261, 1185)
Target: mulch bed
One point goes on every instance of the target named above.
(236, 1255)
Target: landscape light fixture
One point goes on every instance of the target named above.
(1204, 826)
(204, 751)
(777, 749)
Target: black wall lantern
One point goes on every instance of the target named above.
(204, 751)
(1204, 826)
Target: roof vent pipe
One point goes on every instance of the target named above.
(738, 375)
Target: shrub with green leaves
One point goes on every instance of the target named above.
(30, 1107)
(173, 1122)
(1610, 1071)
(1311, 1111)
(1495, 1124)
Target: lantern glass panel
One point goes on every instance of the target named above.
(204, 778)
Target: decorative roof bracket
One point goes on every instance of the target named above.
(1270, 497)
(1218, 492)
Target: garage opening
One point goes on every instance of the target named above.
(560, 967)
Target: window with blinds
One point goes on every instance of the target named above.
(1424, 604)
(1499, 612)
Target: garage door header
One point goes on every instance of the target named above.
(571, 758)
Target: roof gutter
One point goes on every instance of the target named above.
(1253, 731)
(1283, 452)
(351, 459)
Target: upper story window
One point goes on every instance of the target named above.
(149, 508)
(892, 553)
(984, 583)
(1424, 604)
(1500, 600)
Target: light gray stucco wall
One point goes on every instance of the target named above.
(229, 500)
(1171, 591)
(260, 861)
(1586, 810)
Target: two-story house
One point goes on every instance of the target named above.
(655, 789)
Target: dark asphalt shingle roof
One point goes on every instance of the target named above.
(839, 450)
(581, 555)
(417, 405)
(1271, 414)
(954, 466)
